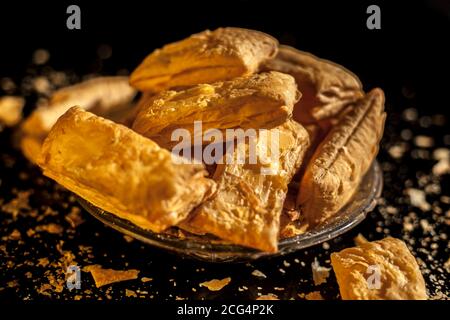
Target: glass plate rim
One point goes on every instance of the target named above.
(222, 251)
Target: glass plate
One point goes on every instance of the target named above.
(349, 216)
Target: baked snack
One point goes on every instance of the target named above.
(260, 101)
(378, 270)
(205, 57)
(247, 206)
(122, 172)
(341, 160)
(326, 86)
(99, 95)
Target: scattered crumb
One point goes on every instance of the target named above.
(391, 210)
(397, 151)
(426, 227)
(315, 295)
(359, 239)
(15, 235)
(30, 233)
(145, 279)
(418, 199)
(320, 274)
(52, 228)
(215, 284)
(17, 204)
(41, 56)
(43, 262)
(423, 141)
(269, 296)
(258, 274)
(447, 265)
(130, 293)
(442, 155)
(104, 277)
(128, 238)
(11, 110)
(74, 217)
(278, 289)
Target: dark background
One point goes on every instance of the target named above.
(411, 49)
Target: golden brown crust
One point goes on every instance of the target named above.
(247, 206)
(262, 100)
(99, 95)
(399, 274)
(326, 86)
(204, 57)
(121, 172)
(342, 159)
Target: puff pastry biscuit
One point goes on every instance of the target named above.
(122, 172)
(326, 86)
(204, 57)
(99, 95)
(398, 277)
(262, 100)
(342, 159)
(247, 206)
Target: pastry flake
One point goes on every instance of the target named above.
(216, 284)
(262, 100)
(205, 57)
(341, 160)
(326, 86)
(247, 206)
(103, 277)
(122, 172)
(399, 276)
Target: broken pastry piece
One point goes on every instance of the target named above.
(342, 159)
(121, 171)
(247, 206)
(326, 86)
(205, 57)
(260, 101)
(378, 270)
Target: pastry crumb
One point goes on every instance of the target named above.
(215, 284)
(104, 277)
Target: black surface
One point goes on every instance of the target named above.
(408, 58)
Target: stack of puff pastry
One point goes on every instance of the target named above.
(329, 130)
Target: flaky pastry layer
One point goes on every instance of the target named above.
(121, 171)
